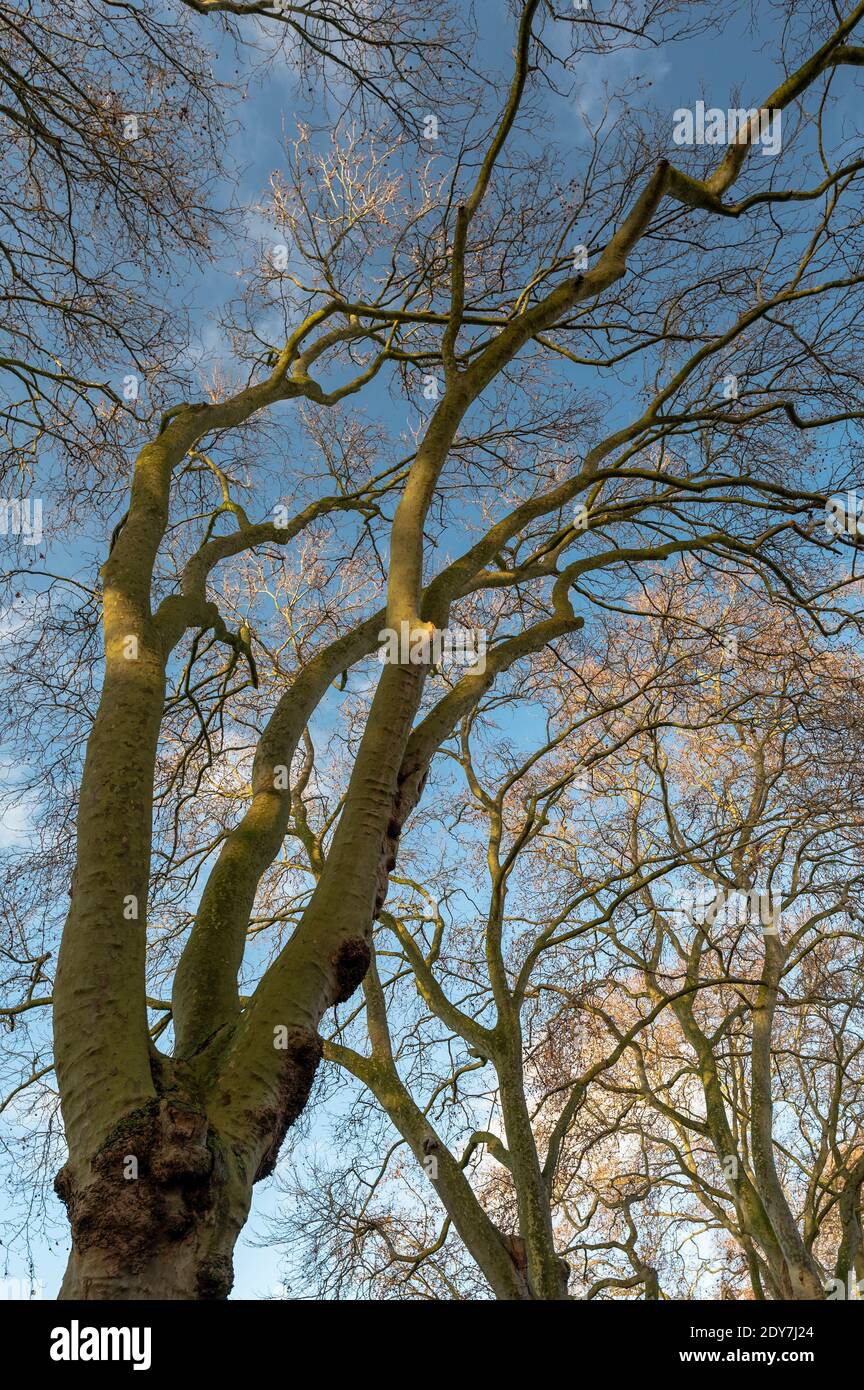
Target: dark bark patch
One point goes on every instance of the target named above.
(515, 1247)
(300, 1060)
(215, 1278)
(409, 789)
(131, 1216)
(350, 964)
(184, 1155)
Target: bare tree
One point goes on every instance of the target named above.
(594, 1052)
(466, 280)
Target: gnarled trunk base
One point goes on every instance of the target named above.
(156, 1212)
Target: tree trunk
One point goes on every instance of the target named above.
(800, 1275)
(155, 1213)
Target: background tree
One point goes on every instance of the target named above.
(619, 987)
